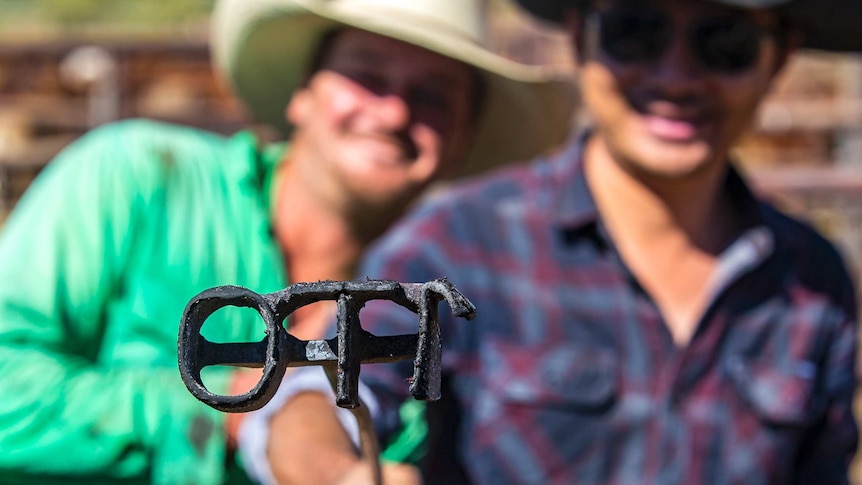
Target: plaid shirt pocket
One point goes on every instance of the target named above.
(581, 379)
(780, 396)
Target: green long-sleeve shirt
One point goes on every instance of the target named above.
(97, 263)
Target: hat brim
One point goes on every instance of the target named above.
(828, 25)
(264, 52)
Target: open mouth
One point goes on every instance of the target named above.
(672, 129)
(677, 119)
(675, 122)
(400, 149)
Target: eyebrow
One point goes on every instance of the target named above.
(364, 55)
(367, 56)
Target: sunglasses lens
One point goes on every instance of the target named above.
(728, 44)
(724, 44)
(633, 35)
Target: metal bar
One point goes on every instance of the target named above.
(341, 356)
(352, 347)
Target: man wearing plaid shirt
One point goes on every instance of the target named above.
(642, 317)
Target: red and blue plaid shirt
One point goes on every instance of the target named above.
(569, 373)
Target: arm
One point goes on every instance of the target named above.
(64, 412)
(304, 441)
(831, 442)
(324, 451)
(830, 445)
(300, 436)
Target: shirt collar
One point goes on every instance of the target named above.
(575, 207)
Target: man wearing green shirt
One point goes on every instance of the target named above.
(377, 99)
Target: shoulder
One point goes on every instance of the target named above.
(519, 188)
(464, 219)
(485, 198)
(142, 150)
(815, 262)
(138, 138)
(145, 129)
(799, 239)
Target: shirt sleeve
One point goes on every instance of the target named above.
(62, 412)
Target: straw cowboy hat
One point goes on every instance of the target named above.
(830, 25)
(263, 48)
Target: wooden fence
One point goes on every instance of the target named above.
(804, 150)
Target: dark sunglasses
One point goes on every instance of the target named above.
(724, 44)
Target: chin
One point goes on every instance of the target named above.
(675, 172)
(675, 160)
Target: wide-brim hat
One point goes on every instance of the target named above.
(264, 48)
(830, 25)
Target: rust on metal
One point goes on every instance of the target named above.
(344, 353)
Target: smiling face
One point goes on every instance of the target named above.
(671, 107)
(379, 120)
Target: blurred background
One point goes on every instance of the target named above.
(69, 65)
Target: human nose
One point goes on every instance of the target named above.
(392, 109)
(677, 67)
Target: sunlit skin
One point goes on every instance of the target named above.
(654, 166)
(659, 154)
(380, 120)
(671, 119)
(375, 124)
